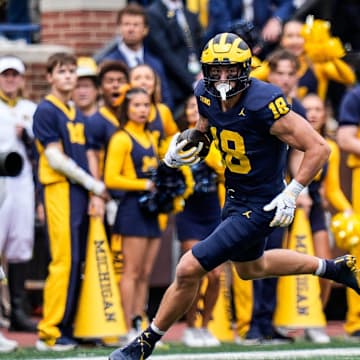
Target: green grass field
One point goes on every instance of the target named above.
(337, 349)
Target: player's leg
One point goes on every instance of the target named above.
(322, 250)
(175, 303)
(181, 293)
(279, 262)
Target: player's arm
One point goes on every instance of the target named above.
(202, 124)
(295, 131)
(68, 167)
(294, 160)
(177, 153)
(348, 140)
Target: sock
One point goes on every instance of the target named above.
(152, 334)
(156, 329)
(321, 269)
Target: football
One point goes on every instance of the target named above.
(194, 137)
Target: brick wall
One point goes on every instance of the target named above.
(86, 31)
(36, 84)
(79, 26)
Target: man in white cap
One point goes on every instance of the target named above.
(86, 92)
(17, 210)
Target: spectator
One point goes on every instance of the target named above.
(113, 76)
(17, 212)
(63, 173)
(100, 126)
(267, 17)
(161, 122)
(133, 27)
(131, 155)
(348, 140)
(175, 37)
(316, 71)
(86, 92)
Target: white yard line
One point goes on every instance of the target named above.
(251, 355)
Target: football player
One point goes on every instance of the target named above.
(252, 124)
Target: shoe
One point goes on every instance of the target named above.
(138, 349)
(344, 271)
(209, 339)
(252, 337)
(317, 335)
(7, 345)
(248, 340)
(63, 343)
(193, 337)
(276, 338)
(20, 322)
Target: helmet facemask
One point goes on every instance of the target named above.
(224, 89)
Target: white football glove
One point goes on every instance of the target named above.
(285, 204)
(176, 156)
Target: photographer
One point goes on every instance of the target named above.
(17, 209)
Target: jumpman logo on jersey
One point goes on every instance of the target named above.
(242, 112)
(247, 214)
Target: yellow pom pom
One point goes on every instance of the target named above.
(319, 45)
(315, 31)
(346, 230)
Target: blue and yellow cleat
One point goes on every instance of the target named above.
(344, 271)
(138, 349)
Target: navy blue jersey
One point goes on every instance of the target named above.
(349, 113)
(308, 83)
(157, 126)
(55, 122)
(255, 160)
(297, 107)
(99, 128)
(130, 219)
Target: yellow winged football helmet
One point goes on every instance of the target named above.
(226, 49)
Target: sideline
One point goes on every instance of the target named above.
(348, 353)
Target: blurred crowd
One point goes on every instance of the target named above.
(92, 148)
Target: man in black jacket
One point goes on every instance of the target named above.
(175, 37)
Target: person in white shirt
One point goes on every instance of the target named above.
(17, 211)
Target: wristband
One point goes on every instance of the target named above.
(295, 188)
